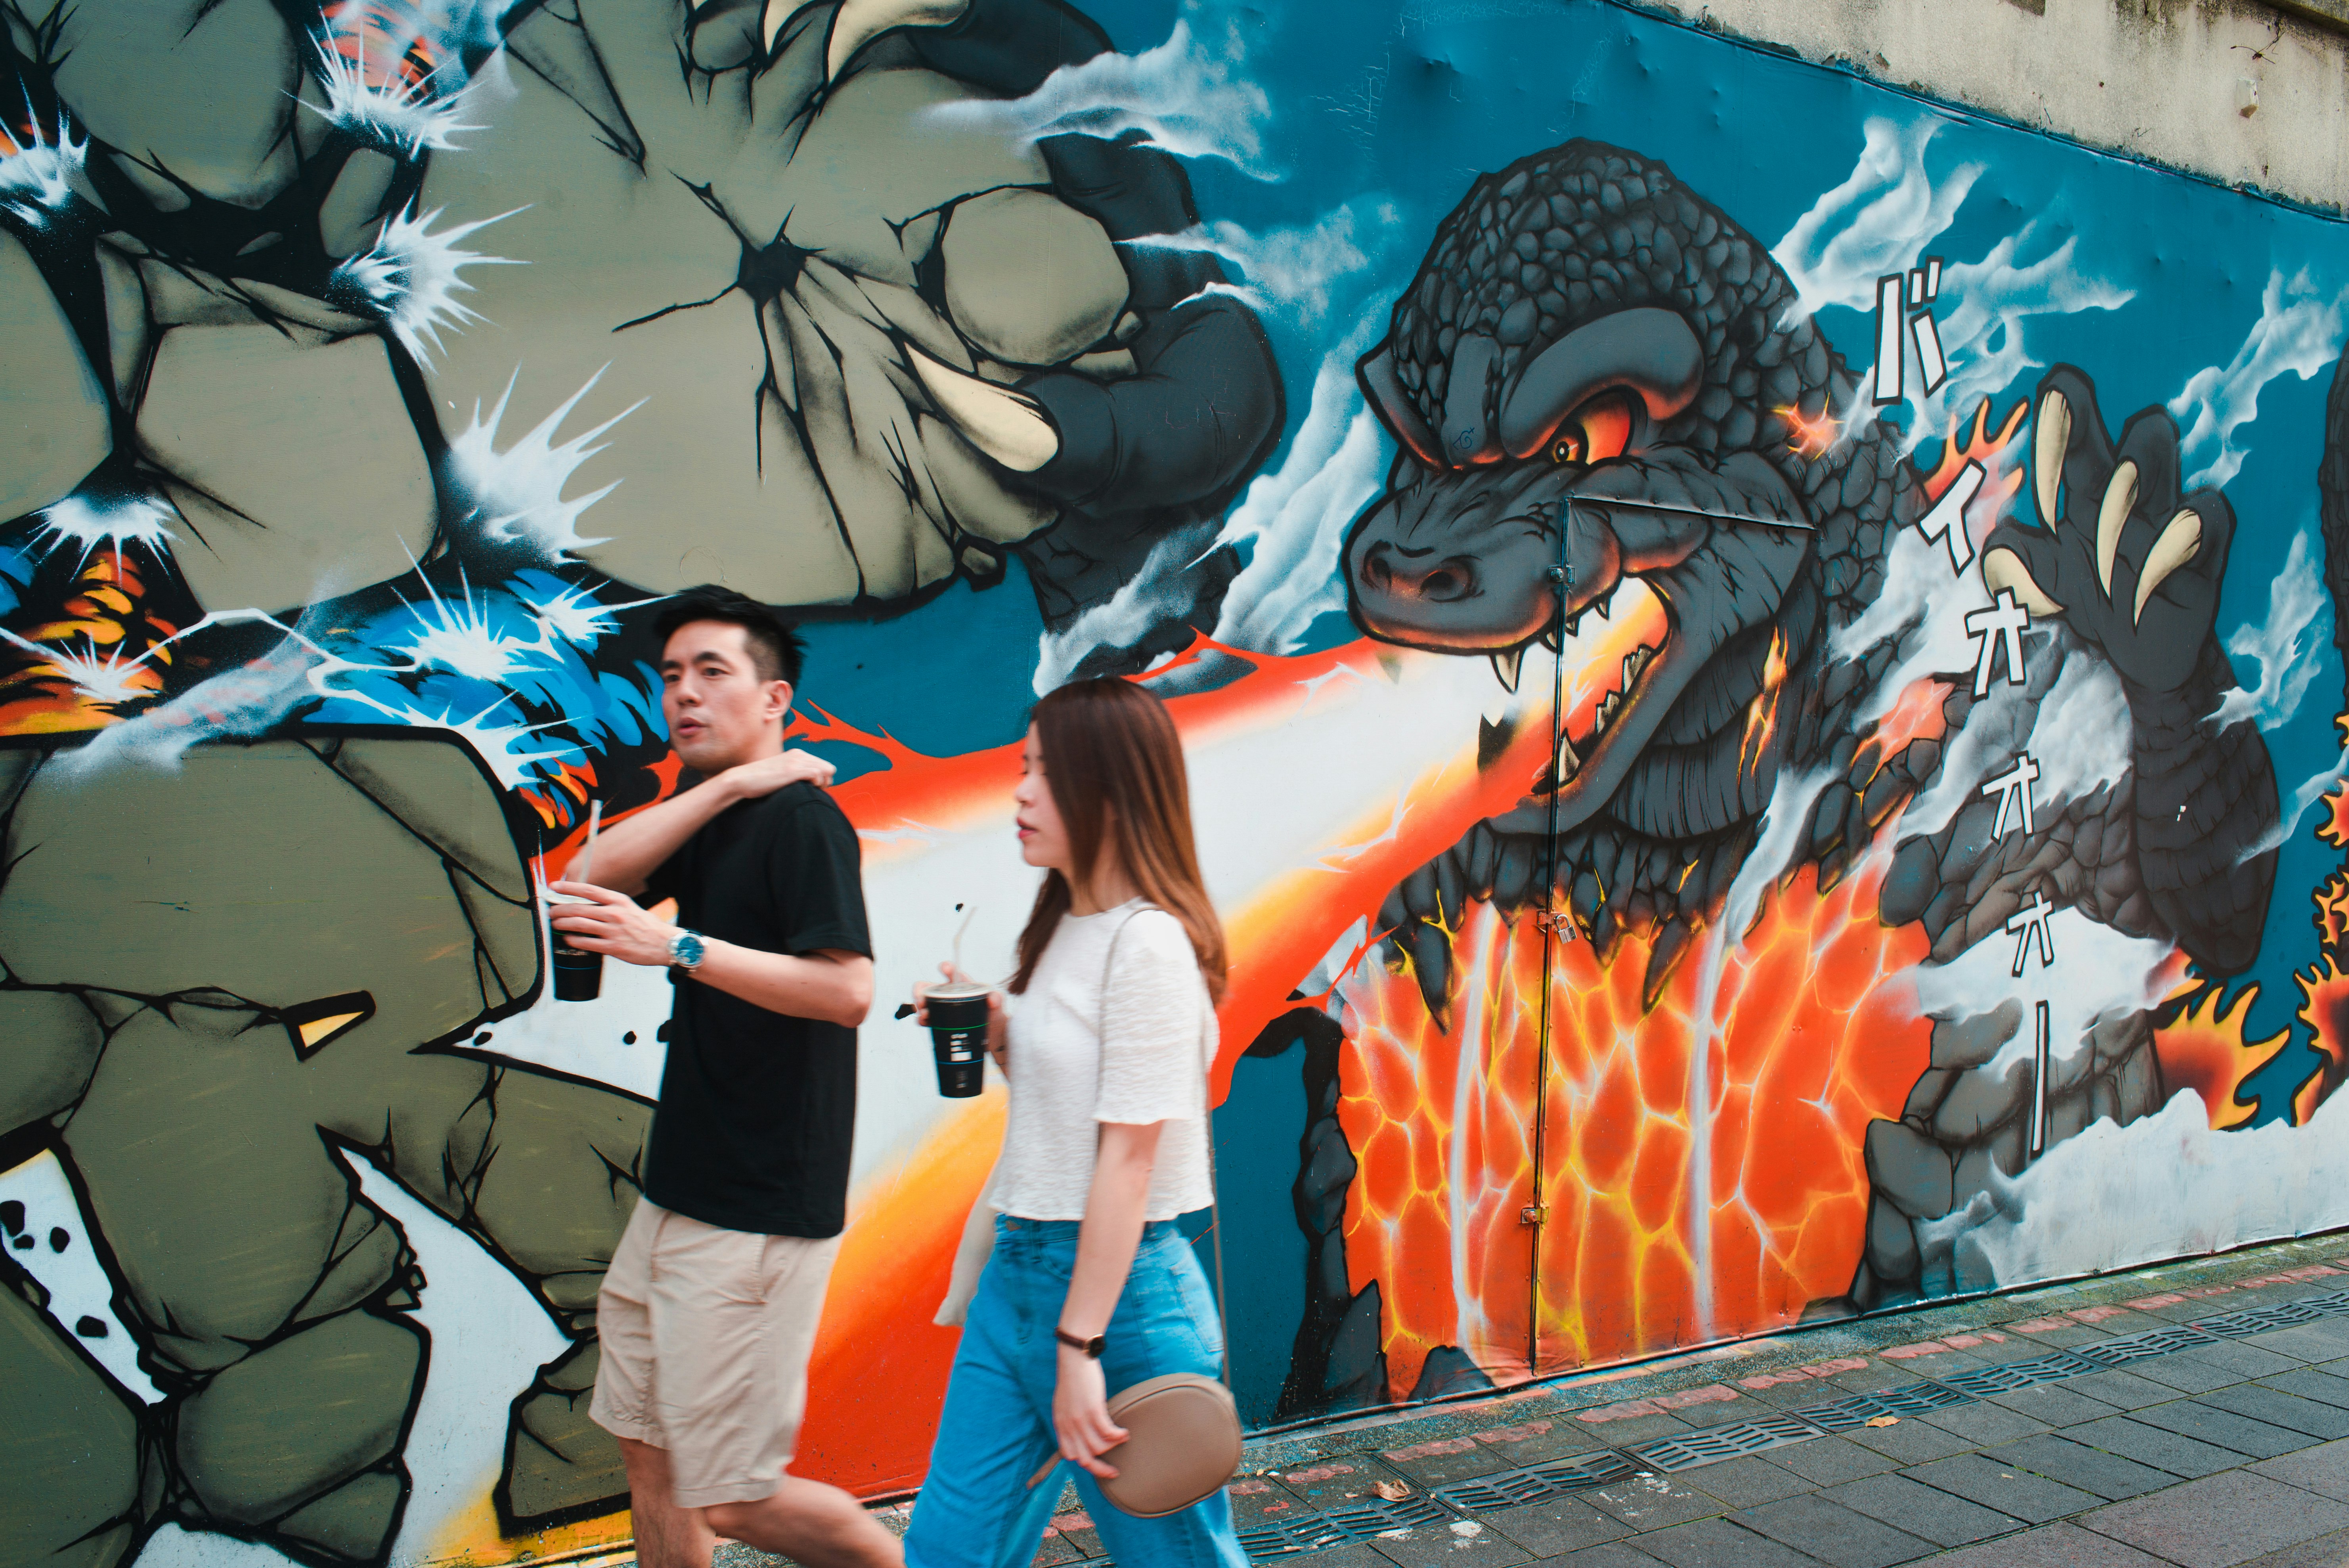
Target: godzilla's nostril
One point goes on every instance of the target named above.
(1376, 572)
(1451, 579)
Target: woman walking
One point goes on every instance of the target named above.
(1091, 1287)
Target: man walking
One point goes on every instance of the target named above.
(709, 1306)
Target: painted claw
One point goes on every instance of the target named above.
(773, 19)
(2005, 569)
(2050, 441)
(2120, 500)
(859, 22)
(2174, 549)
(1007, 427)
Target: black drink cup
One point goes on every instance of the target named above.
(578, 974)
(958, 1038)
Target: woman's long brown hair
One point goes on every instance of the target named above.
(1115, 768)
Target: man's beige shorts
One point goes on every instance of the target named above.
(705, 1338)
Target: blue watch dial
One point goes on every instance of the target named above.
(685, 950)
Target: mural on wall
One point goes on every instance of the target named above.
(1752, 779)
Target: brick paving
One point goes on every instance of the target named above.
(2080, 1426)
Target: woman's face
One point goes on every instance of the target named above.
(1043, 840)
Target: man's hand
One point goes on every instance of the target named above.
(751, 780)
(611, 924)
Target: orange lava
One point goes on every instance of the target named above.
(1817, 1038)
(2206, 1050)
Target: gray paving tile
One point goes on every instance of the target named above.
(1614, 1554)
(2183, 1371)
(1650, 1501)
(2324, 1551)
(1356, 1556)
(1443, 1469)
(1910, 1441)
(2312, 1383)
(2108, 1475)
(2326, 1340)
(2005, 1487)
(2054, 1403)
(2121, 1390)
(2219, 1521)
(1743, 1483)
(1827, 1460)
(2163, 1450)
(1983, 1424)
(1833, 1533)
(1466, 1541)
(1938, 1516)
(1630, 1429)
(1717, 1543)
(2222, 1429)
(2278, 1408)
(2323, 1470)
(2050, 1546)
(2244, 1359)
(1556, 1525)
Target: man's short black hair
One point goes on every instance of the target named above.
(775, 648)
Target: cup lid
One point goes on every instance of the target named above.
(964, 991)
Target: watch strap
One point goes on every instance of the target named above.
(1092, 1348)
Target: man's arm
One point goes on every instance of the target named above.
(834, 986)
(628, 852)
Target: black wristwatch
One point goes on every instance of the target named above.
(1092, 1347)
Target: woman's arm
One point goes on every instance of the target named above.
(1105, 1247)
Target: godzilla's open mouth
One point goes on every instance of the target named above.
(1613, 651)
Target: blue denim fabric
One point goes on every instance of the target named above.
(976, 1509)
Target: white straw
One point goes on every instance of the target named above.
(587, 850)
(966, 919)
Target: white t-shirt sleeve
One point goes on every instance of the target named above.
(1152, 1065)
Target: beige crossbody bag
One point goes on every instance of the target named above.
(1183, 1430)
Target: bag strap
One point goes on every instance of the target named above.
(1206, 1117)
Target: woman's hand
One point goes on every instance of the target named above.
(997, 1018)
(1081, 1414)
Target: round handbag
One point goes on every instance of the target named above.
(1183, 1443)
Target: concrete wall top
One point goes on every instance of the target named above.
(2240, 91)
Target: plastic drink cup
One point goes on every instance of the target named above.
(578, 974)
(958, 1038)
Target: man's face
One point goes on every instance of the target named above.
(720, 711)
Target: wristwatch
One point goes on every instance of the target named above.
(1092, 1348)
(686, 949)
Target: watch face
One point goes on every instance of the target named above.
(685, 950)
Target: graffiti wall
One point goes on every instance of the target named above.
(1757, 653)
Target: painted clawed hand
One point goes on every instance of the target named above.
(2129, 563)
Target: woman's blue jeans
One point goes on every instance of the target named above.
(976, 1509)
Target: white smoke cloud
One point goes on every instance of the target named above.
(2300, 329)
(2286, 646)
(2108, 1198)
(45, 177)
(1291, 271)
(1877, 222)
(1141, 603)
(1983, 335)
(2081, 739)
(246, 700)
(517, 493)
(411, 277)
(1295, 519)
(2288, 819)
(1190, 96)
(2098, 973)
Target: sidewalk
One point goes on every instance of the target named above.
(2193, 1414)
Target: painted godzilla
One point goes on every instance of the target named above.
(1596, 369)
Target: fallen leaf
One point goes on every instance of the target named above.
(1393, 1490)
(1883, 1420)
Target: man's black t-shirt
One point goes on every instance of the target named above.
(757, 1108)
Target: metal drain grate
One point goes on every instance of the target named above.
(1292, 1538)
(1715, 1444)
(1364, 1519)
(2141, 1347)
(2260, 1319)
(1531, 1483)
(1908, 1399)
(1981, 1382)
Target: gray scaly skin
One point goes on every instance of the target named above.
(1657, 812)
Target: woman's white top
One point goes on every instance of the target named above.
(1159, 1035)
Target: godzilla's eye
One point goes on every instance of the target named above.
(1599, 430)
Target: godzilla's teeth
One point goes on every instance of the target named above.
(1567, 764)
(1603, 603)
(1573, 625)
(1507, 666)
(1630, 668)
